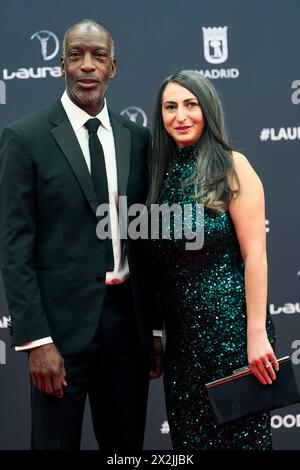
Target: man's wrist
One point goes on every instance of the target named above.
(34, 344)
(157, 333)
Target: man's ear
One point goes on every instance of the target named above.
(113, 68)
(62, 65)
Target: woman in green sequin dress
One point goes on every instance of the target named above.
(214, 298)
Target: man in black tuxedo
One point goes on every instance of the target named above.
(81, 306)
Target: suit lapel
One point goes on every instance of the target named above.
(65, 137)
(122, 146)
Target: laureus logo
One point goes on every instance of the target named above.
(135, 114)
(49, 43)
(215, 44)
(49, 48)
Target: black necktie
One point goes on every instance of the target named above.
(99, 177)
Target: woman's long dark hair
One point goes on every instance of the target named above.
(213, 153)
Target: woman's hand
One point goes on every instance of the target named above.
(261, 357)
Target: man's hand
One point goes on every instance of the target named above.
(47, 369)
(157, 358)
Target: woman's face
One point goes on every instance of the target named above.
(182, 115)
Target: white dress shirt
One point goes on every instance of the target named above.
(78, 118)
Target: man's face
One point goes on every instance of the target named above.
(88, 67)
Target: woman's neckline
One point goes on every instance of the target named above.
(187, 151)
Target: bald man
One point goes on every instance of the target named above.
(82, 307)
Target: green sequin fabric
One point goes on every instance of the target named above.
(203, 295)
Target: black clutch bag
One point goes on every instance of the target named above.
(241, 394)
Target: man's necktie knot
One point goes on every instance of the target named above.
(92, 125)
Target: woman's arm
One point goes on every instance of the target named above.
(247, 211)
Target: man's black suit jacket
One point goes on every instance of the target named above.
(51, 260)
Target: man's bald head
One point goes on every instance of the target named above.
(92, 25)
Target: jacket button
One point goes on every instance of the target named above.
(99, 279)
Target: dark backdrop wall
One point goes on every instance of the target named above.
(254, 64)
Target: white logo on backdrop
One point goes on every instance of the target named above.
(49, 47)
(4, 320)
(288, 308)
(215, 44)
(2, 92)
(287, 421)
(288, 133)
(2, 352)
(295, 96)
(284, 133)
(135, 114)
(295, 357)
(49, 43)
